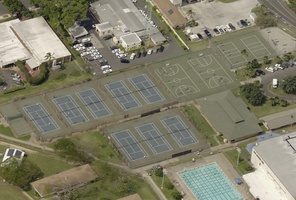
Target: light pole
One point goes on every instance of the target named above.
(239, 152)
(164, 172)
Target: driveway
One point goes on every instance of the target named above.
(280, 75)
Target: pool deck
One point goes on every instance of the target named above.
(222, 162)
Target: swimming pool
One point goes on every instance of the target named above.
(208, 182)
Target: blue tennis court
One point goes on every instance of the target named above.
(179, 131)
(70, 109)
(146, 88)
(94, 103)
(208, 182)
(123, 95)
(154, 138)
(129, 144)
(40, 117)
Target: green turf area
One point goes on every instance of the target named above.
(243, 146)
(51, 84)
(49, 163)
(96, 144)
(6, 131)
(201, 124)
(266, 109)
(243, 166)
(9, 192)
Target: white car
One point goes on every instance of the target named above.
(278, 66)
(270, 69)
(149, 52)
(133, 55)
(107, 71)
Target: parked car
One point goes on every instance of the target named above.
(243, 22)
(207, 32)
(248, 22)
(149, 52)
(87, 44)
(144, 53)
(161, 48)
(231, 26)
(138, 54)
(259, 72)
(123, 60)
(216, 31)
(199, 36)
(107, 37)
(270, 69)
(132, 57)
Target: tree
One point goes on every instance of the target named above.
(284, 103)
(253, 93)
(177, 195)
(287, 57)
(191, 14)
(169, 185)
(289, 85)
(244, 52)
(21, 175)
(266, 60)
(278, 60)
(158, 173)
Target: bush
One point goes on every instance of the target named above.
(159, 173)
(41, 78)
(177, 195)
(169, 185)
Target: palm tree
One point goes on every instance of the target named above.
(49, 57)
(190, 13)
(244, 52)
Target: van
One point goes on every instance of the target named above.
(274, 83)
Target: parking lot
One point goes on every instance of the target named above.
(211, 14)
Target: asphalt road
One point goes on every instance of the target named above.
(280, 75)
(281, 10)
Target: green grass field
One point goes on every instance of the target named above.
(96, 144)
(9, 192)
(243, 166)
(6, 131)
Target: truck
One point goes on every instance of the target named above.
(274, 83)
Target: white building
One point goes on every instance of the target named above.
(13, 153)
(104, 29)
(130, 41)
(33, 38)
(176, 2)
(275, 164)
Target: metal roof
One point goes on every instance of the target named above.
(229, 115)
(131, 39)
(280, 119)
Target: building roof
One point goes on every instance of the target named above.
(131, 38)
(131, 197)
(11, 48)
(119, 13)
(9, 153)
(77, 31)
(71, 178)
(171, 13)
(280, 156)
(280, 119)
(105, 26)
(229, 115)
(40, 39)
(32, 63)
(156, 36)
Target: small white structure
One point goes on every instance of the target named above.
(77, 31)
(104, 29)
(193, 37)
(176, 2)
(253, 16)
(13, 153)
(130, 41)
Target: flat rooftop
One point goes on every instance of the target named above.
(11, 49)
(279, 154)
(40, 39)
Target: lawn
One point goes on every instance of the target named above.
(158, 181)
(96, 144)
(73, 74)
(9, 192)
(266, 109)
(49, 163)
(201, 124)
(243, 166)
(243, 146)
(6, 131)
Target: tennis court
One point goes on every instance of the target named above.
(94, 103)
(208, 182)
(123, 95)
(154, 138)
(70, 109)
(40, 117)
(179, 131)
(146, 88)
(126, 141)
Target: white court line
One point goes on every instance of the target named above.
(242, 39)
(227, 55)
(252, 46)
(191, 80)
(235, 56)
(170, 67)
(223, 70)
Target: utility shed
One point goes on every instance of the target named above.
(229, 116)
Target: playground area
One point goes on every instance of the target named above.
(195, 75)
(241, 49)
(155, 138)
